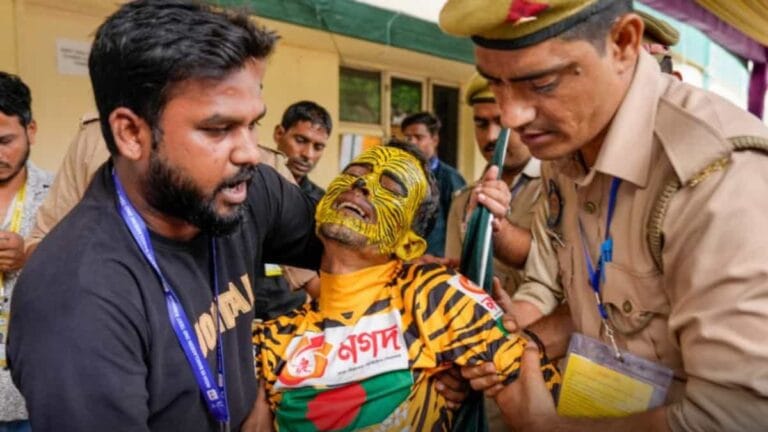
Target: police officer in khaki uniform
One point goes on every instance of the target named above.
(521, 174)
(541, 292)
(85, 155)
(682, 174)
(542, 287)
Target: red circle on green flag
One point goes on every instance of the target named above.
(336, 409)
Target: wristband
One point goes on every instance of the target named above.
(532, 336)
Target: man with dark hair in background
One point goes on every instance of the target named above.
(302, 135)
(655, 191)
(23, 187)
(423, 130)
(147, 325)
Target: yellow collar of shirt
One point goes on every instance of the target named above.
(355, 292)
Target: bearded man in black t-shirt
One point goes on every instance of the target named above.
(134, 314)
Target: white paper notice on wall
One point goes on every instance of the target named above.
(351, 145)
(72, 56)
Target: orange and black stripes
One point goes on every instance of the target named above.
(442, 326)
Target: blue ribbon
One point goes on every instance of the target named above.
(214, 393)
(517, 187)
(597, 275)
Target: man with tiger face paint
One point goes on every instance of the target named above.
(374, 202)
(364, 356)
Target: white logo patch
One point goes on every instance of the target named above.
(477, 294)
(340, 355)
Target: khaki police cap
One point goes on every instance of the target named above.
(658, 30)
(514, 24)
(478, 91)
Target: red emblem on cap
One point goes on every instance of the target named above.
(524, 10)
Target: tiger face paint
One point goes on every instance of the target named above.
(374, 202)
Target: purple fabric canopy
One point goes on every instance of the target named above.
(729, 37)
(758, 85)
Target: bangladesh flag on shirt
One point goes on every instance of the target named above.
(347, 407)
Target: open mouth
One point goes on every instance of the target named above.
(235, 194)
(244, 176)
(357, 210)
(235, 189)
(352, 208)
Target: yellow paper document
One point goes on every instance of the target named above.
(592, 390)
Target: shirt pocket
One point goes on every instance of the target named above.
(565, 266)
(638, 308)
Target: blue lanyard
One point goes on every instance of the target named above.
(596, 274)
(433, 163)
(518, 186)
(213, 392)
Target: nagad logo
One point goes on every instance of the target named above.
(469, 286)
(308, 360)
(477, 294)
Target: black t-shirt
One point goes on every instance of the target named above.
(277, 296)
(313, 191)
(91, 345)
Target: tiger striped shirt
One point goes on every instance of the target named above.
(365, 355)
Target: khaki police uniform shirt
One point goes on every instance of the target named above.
(521, 214)
(706, 315)
(86, 154)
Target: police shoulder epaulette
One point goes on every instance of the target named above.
(274, 158)
(674, 183)
(689, 141)
(271, 150)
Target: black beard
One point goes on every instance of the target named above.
(174, 194)
(19, 167)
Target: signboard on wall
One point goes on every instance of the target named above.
(354, 144)
(72, 57)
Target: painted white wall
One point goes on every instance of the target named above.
(424, 9)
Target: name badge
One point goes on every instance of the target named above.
(598, 384)
(272, 270)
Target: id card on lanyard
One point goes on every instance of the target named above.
(597, 383)
(213, 390)
(602, 380)
(17, 213)
(272, 270)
